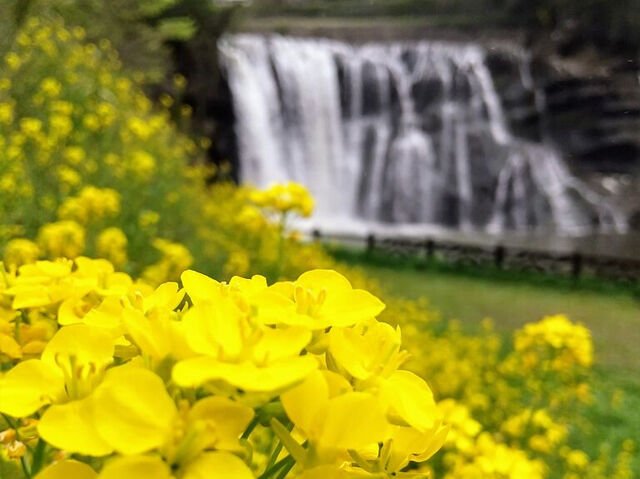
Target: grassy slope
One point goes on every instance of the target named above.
(612, 315)
(612, 312)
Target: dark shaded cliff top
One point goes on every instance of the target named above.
(383, 29)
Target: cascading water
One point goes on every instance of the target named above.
(405, 133)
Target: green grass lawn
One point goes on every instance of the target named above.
(613, 315)
(611, 312)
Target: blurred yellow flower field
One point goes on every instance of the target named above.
(122, 357)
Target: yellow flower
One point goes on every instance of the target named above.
(68, 469)
(72, 364)
(237, 264)
(210, 465)
(6, 113)
(61, 125)
(91, 205)
(12, 60)
(143, 165)
(51, 87)
(318, 300)
(21, 251)
(112, 245)
(153, 327)
(174, 260)
(179, 81)
(62, 239)
(30, 126)
(148, 218)
(285, 198)
(133, 414)
(74, 155)
(233, 348)
(333, 417)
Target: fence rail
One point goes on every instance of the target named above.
(509, 258)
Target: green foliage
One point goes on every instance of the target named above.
(608, 23)
(89, 166)
(140, 30)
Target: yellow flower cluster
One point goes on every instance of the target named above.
(91, 205)
(510, 415)
(542, 432)
(79, 141)
(174, 258)
(173, 382)
(541, 341)
(62, 239)
(284, 198)
(21, 251)
(87, 166)
(111, 244)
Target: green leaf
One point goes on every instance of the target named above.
(177, 28)
(10, 469)
(153, 8)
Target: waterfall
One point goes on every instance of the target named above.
(401, 133)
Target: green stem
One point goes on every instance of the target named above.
(38, 457)
(25, 466)
(23, 460)
(285, 470)
(9, 421)
(296, 450)
(274, 455)
(282, 228)
(252, 425)
(16, 328)
(276, 467)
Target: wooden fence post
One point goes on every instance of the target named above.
(430, 248)
(576, 265)
(498, 256)
(371, 243)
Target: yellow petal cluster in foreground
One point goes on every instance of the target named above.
(186, 380)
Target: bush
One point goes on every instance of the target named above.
(89, 166)
(143, 383)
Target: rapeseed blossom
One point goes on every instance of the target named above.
(172, 381)
(89, 166)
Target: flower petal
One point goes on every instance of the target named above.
(338, 426)
(350, 307)
(29, 386)
(247, 376)
(217, 465)
(10, 347)
(328, 279)
(136, 467)
(303, 402)
(70, 427)
(200, 287)
(87, 344)
(276, 344)
(133, 412)
(212, 329)
(228, 418)
(68, 469)
(410, 400)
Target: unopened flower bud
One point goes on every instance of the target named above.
(16, 449)
(60, 456)
(7, 436)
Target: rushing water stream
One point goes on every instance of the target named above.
(402, 134)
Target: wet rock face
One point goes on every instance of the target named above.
(411, 133)
(594, 119)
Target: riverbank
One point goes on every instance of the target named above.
(384, 29)
(611, 312)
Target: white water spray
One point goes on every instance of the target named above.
(403, 133)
